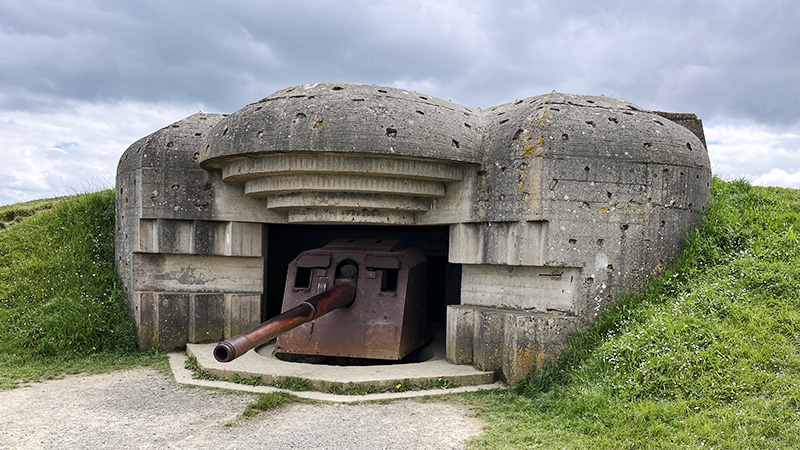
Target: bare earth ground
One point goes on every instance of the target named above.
(141, 409)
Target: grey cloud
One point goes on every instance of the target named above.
(721, 59)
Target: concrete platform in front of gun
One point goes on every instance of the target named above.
(426, 366)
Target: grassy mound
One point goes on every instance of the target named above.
(706, 357)
(62, 308)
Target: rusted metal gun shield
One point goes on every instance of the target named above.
(379, 324)
(315, 307)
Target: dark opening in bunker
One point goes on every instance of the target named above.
(285, 242)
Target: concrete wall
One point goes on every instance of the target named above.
(556, 204)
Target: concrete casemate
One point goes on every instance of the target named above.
(534, 215)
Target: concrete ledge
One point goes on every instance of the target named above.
(184, 376)
(269, 369)
(511, 342)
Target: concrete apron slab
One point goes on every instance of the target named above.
(264, 365)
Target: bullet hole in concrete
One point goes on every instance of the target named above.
(647, 145)
(260, 133)
(358, 99)
(337, 88)
(585, 205)
(225, 131)
(623, 227)
(590, 122)
(589, 280)
(456, 144)
(382, 91)
(175, 125)
(708, 184)
(170, 144)
(553, 184)
(198, 134)
(697, 177)
(391, 132)
(690, 205)
(665, 170)
(176, 187)
(608, 194)
(627, 113)
(586, 168)
(424, 98)
(681, 173)
(196, 155)
(689, 146)
(502, 169)
(258, 108)
(601, 242)
(503, 121)
(467, 125)
(421, 113)
(658, 122)
(613, 119)
(517, 135)
(554, 109)
(300, 116)
(663, 222)
(610, 268)
(590, 101)
(573, 241)
(518, 102)
(565, 137)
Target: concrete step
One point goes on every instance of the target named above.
(263, 364)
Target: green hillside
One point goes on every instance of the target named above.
(707, 357)
(62, 308)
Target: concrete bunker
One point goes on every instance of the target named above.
(535, 214)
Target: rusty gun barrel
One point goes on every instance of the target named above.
(315, 307)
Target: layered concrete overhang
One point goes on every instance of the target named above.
(551, 207)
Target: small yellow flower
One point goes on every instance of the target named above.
(686, 326)
(398, 386)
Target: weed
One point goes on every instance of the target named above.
(294, 384)
(269, 401)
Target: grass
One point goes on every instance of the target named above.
(62, 308)
(706, 357)
(14, 214)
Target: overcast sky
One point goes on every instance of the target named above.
(82, 80)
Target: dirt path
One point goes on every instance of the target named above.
(141, 409)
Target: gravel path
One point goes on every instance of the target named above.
(141, 409)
